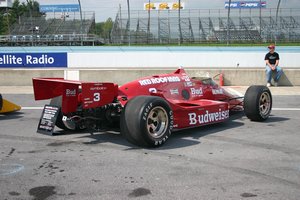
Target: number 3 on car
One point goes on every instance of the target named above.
(97, 96)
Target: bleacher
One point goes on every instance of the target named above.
(201, 26)
(55, 30)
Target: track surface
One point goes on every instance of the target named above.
(238, 159)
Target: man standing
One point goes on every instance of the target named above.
(272, 61)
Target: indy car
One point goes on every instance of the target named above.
(149, 109)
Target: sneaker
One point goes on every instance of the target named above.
(268, 84)
(276, 84)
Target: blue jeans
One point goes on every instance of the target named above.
(269, 71)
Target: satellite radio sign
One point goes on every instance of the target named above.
(60, 8)
(246, 4)
(23, 60)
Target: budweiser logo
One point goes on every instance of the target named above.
(70, 92)
(208, 117)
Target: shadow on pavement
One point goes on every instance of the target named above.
(276, 119)
(178, 139)
(13, 115)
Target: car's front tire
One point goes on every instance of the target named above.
(258, 103)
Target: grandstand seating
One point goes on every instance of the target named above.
(212, 27)
(51, 31)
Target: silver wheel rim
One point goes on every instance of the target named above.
(157, 122)
(264, 104)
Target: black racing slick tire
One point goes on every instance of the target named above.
(57, 101)
(147, 121)
(258, 103)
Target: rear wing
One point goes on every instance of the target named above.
(74, 93)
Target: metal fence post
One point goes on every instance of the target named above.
(179, 23)
(129, 34)
(228, 15)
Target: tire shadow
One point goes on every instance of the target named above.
(109, 137)
(273, 119)
(178, 139)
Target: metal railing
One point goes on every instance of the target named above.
(50, 40)
(52, 29)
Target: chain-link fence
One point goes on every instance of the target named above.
(206, 26)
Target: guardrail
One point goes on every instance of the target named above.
(55, 39)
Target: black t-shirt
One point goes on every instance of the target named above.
(272, 57)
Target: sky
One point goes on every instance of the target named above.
(109, 8)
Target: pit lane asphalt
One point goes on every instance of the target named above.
(238, 159)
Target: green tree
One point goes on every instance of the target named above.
(34, 7)
(103, 29)
(12, 15)
(2, 24)
(17, 11)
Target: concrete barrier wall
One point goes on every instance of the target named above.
(23, 77)
(169, 59)
(240, 65)
(148, 57)
(237, 76)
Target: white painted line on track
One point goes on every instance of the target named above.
(32, 108)
(279, 109)
(287, 109)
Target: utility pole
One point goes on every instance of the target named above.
(81, 23)
(30, 4)
(260, 18)
(129, 35)
(228, 15)
(121, 31)
(276, 21)
(179, 23)
(148, 26)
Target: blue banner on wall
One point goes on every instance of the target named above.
(60, 8)
(21, 60)
(246, 4)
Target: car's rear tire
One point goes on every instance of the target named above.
(258, 103)
(147, 121)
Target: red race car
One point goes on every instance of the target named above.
(147, 110)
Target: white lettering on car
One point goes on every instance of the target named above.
(217, 91)
(70, 93)
(174, 91)
(169, 79)
(152, 90)
(196, 92)
(208, 117)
